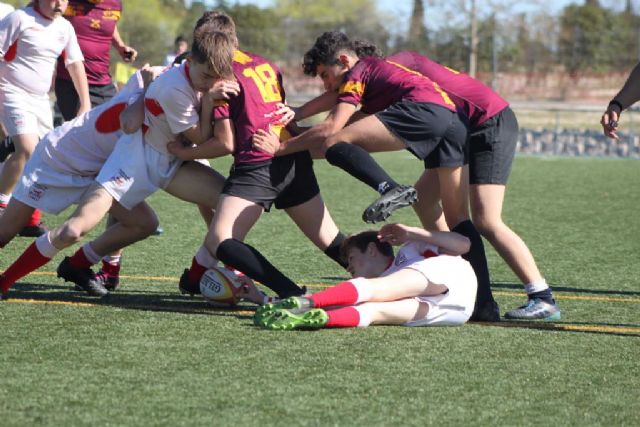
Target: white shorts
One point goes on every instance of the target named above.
(26, 114)
(45, 188)
(454, 307)
(135, 170)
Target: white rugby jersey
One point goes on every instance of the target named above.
(5, 9)
(30, 44)
(411, 252)
(172, 106)
(82, 145)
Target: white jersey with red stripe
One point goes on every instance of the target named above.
(172, 106)
(81, 146)
(411, 252)
(30, 44)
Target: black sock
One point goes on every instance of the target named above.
(357, 162)
(477, 259)
(545, 295)
(333, 250)
(246, 259)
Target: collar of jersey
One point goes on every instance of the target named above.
(37, 9)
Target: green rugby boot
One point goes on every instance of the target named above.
(296, 305)
(285, 320)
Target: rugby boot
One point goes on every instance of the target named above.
(82, 277)
(284, 320)
(535, 309)
(109, 281)
(186, 286)
(396, 198)
(296, 305)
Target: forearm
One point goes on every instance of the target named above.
(210, 149)
(79, 78)
(319, 104)
(116, 40)
(308, 140)
(450, 242)
(630, 92)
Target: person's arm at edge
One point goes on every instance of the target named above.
(450, 243)
(221, 144)
(79, 78)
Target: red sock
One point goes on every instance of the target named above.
(341, 294)
(30, 260)
(196, 271)
(36, 218)
(79, 260)
(110, 269)
(346, 317)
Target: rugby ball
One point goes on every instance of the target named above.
(221, 287)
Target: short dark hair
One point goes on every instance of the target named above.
(215, 49)
(361, 241)
(326, 48)
(180, 39)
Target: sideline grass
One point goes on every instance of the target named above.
(148, 356)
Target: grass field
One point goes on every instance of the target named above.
(149, 356)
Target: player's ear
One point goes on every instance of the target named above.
(343, 59)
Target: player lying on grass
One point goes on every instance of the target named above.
(140, 165)
(426, 284)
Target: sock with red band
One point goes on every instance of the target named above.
(346, 293)
(84, 257)
(196, 271)
(30, 260)
(36, 218)
(346, 317)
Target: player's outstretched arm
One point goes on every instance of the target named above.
(448, 242)
(132, 117)
(319, 104)
(311, 139)
(628, 95)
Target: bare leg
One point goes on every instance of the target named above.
(14, 165)
(314, 220)
(393, 312)
(197, 184)
(428, 206)
(16, 215)
(486, 205)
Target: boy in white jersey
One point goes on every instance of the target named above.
(31, 40)
(426, 284)
(140, 164)
(68, 158)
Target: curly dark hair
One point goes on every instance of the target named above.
(361, 242)
(326, 48)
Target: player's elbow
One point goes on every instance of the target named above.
(128, 124)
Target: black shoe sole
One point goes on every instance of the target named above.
(32, 231)
(381, 209)
(94, 291)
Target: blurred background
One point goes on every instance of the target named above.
(558, 62)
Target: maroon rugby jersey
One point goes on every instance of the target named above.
(94, 22)
(477, 101)
(260, 90)
(378, 83)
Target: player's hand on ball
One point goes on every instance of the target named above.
(267, 142)
(394, 234)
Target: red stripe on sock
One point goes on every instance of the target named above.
(36, 218)
(341, 294)
(79, 260)
(196, 271)
(346, 317)
(30, 260)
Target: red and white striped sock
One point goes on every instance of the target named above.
(349, 292)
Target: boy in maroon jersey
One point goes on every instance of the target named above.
(492, 144)
(405, 110)
(257, 180)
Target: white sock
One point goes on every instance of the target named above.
(537, 286)
(205, 259)
(4, 198)
(365, 319)
(363, 287)
(113, 260)
(91, 255)
(45, 247)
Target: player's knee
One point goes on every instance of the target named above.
(71, 233)
(487, 227)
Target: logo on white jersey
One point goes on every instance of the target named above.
(120, 178)
(400, 259)
(37, 191)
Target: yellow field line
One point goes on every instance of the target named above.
(532, 325)
(319, 286)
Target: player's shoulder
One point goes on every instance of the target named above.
(244, 59)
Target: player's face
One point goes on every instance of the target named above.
(52, 8)
(367, 264)
(331, 76)
(201, 76)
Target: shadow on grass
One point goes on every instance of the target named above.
(135, 300)
(559, 288)
(618, 329)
